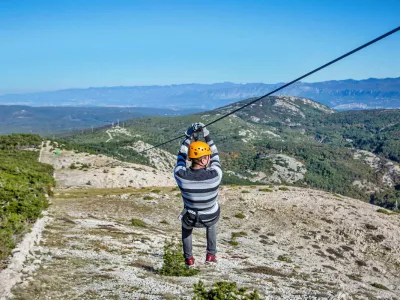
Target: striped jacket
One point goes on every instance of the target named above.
(199, 187)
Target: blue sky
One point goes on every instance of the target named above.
(47, 45)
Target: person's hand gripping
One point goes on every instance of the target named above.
(193, 131)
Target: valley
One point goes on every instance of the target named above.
(281, 140)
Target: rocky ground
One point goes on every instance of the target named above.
(77, 169)
(293, 244)
(285, 242)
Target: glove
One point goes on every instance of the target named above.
(194, 129)
(205, 130)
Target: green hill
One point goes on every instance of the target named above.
(285, 140)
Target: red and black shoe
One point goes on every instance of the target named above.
(211, 258)
(189, 262)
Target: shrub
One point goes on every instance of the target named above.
(73, 166)
(235, 235)
(283, 188)
(85, 166)
(245, 192)
(384, 211)
(240, 216)
(379, 286)
(156, 191)
(238, 234)
(23, 185)
(223, 291)
(284, 258)
(174, 262)
(148, 198)
(138, 223)
(233, 242)
(266, 190)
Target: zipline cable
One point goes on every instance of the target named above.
(287, 84)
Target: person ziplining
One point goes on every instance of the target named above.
(199, 185)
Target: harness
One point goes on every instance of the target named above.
(186, 216)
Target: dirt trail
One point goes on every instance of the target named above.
(294, 244)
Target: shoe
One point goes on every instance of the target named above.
(189, 262)
(211, 258)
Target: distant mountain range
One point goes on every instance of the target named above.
(341, 94)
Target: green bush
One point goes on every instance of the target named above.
(148, 198)
(283, 188)
(385, 211)
(240, 216)
(85, 166)
(223, 291)
(23, 185)
(138, 223)
(19, 141)
(266, 190)
(284, 258)
(379, 286)
(156, 191)
(238, 234)
(174, 262)
(233, 242)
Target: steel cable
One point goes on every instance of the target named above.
(287, 84)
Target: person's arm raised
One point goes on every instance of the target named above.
(214, 157)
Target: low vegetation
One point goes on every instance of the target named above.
(222, 290)
(266, 190)
(174, 262)
(23, 185)
(384, 211)
(284, 258)
(240, 216)
(138, 223)
(379, 286)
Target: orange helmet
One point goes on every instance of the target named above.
(198, 149)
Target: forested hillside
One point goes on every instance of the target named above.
(23, 185)
(286, 140)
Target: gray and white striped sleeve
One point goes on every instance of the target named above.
(214, 162)
(182, 155)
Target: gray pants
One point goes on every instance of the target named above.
(211, 233)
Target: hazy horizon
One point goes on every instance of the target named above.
(150, 85)
(52, 45)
